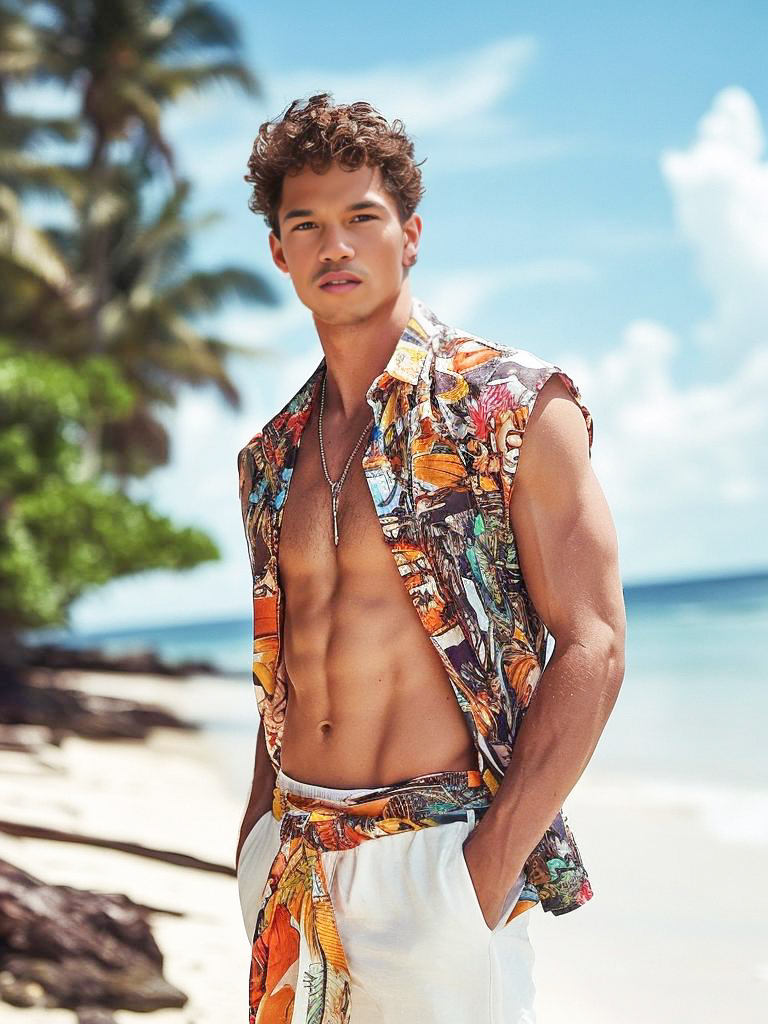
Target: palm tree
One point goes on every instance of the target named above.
(146, 327)
(35, 278)
(119, 285)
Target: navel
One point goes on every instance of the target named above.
(326, 728)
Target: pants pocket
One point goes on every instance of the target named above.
(469, 886)
(466, 885)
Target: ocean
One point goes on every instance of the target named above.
(692, 711)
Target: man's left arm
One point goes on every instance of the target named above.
(568, 552)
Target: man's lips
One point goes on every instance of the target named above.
(341, 282)
(348, 286)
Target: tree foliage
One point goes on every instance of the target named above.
(61, 531)
(98, 315)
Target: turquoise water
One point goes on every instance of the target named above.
(693, 706)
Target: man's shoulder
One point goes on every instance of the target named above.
(478, 379)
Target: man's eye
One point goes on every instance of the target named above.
(311, 223)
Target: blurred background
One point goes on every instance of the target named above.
(596, 192)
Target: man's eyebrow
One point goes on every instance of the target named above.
(364, 204)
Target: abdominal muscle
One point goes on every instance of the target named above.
(369, 700)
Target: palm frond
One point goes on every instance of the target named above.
(24, 174)
(23, 130)
(206, 290)
(196, 27)
(172, 82)
(27, 246)
(19, 49)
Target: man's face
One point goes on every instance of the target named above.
(343, 225)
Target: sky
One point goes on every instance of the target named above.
(596, 193)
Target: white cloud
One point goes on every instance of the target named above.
(720, 189)
(429, 94)
(680, 435)
(263, 328)
(673, 444)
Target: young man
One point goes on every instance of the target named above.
(419, 516)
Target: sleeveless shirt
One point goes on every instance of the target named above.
(450, 412)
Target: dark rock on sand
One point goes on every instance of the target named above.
(43, 700)
(77, 949)
(93, 659)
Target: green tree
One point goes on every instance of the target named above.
(62, 532)
(98, 316)
(118, 281)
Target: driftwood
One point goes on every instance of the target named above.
(185, 860)
(41, 701)
(87, 951)
(92, 658)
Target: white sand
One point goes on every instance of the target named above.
(675, 933)
(166, 793)
(677, 930)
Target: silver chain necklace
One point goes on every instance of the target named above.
(338, 484)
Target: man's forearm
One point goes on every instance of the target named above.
(558, 735)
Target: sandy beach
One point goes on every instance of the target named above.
(675, 932)
(166, 792)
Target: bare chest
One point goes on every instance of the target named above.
(306, 534)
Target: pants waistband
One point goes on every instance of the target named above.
(440, 790)
(318, 792)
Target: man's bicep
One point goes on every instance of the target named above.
(564, 532)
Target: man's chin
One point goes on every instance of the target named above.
(340, 319)
(338, 310)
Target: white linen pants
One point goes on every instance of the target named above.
(414, 935)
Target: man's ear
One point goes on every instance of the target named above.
(278, 256)
(412, 231)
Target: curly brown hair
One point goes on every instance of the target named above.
(317, 134)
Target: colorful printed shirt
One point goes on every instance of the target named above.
(450, 411)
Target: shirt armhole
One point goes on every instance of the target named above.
(574, 393)
(527, 402)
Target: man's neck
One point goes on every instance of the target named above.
(355, 354)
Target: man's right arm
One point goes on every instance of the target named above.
(260, 798)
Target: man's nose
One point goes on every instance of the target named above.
(335, 246)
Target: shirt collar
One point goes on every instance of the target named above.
(413, 346)
(406, 364)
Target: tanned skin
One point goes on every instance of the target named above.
(369, 700)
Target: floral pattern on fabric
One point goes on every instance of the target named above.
(450, 412)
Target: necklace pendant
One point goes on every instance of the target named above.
(335, 524)
(335, 486)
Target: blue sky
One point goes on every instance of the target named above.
(597, 192)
